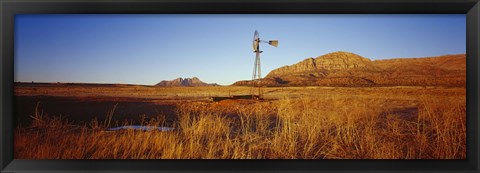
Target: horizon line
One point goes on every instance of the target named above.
(139, 84)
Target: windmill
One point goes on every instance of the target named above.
(257, 75)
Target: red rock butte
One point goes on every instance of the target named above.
(349, 69)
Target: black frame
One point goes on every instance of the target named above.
(11, 7)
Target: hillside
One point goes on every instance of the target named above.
(185, 82)
(349, 69)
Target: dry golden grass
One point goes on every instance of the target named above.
(403, 123)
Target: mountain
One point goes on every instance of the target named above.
(186, 82)
(349, 69)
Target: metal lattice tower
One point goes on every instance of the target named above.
(257, 70)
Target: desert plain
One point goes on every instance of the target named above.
(350, 108)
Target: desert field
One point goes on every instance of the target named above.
(74, 121)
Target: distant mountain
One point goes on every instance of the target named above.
(186, 82)
(349, 69)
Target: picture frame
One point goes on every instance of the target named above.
(471, 8)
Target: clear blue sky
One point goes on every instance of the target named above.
(145, 49)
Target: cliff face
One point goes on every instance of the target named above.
(186, 82)
(331, 61)
(349, 69)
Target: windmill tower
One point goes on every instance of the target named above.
(257, 72)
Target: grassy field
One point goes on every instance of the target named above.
(292, 123)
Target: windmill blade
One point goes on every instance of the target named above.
(256, 41)
(273, 43)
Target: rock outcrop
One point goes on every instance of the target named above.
(331, 61)
(186, 82)
(349, 69)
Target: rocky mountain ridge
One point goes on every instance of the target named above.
(331, 61)
(349, 69)
(185, 82)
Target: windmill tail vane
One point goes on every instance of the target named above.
(257, 75)
(271, 42)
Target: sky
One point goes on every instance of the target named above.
(145, 49)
